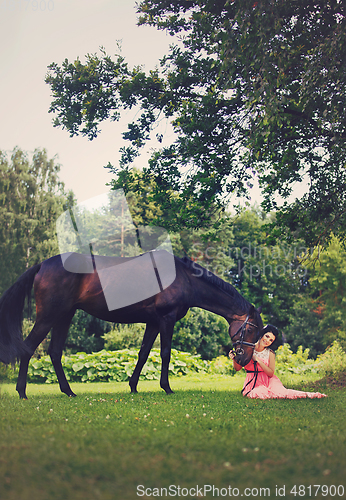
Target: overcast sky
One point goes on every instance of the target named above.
(34, 34)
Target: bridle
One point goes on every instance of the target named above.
(239, 350)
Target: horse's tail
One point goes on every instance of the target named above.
(11, 316)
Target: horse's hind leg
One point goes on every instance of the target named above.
(150, 335)
(59, 335)
(166, 334)
(33, 340)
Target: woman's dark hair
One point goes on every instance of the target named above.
(272, 329)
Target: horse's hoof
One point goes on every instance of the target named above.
(168, 390)
(69, 394)
(133, 387)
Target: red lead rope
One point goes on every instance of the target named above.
(254, 378)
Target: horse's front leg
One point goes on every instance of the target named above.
(59, 335)
(166, 334)
(150, 335)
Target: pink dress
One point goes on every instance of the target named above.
(258, 385)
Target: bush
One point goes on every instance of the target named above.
(201, 332)
(333, 361)
(119, 365)
(288, 362)
(113, 365)
(221, 365)
(85, 333)
(125, 337)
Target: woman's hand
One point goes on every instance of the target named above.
(232, 356)
(254, 357)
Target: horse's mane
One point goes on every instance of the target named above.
(207, 275)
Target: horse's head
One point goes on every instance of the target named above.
(244, 332)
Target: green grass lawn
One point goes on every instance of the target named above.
(106, 442)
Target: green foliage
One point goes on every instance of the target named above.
(107, 366)
(113, 365)
(268, 275)
(140, 188)
(328, 284)
(301, 292)
(31, 199)
(333, 361)
(221, 365)
(288, 362)
(201, 332)
(208, 247)
(85, 333)
(125, 337)
(4, 373)
(251, 88)
(303, 326)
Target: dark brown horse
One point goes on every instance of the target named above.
(59, 293)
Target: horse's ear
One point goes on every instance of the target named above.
(259, 309)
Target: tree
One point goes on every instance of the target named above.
(303, 328)
(31, 199)
(268, 275)
(328, 285)
(252, 88)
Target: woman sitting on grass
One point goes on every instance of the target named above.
(260, 382)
